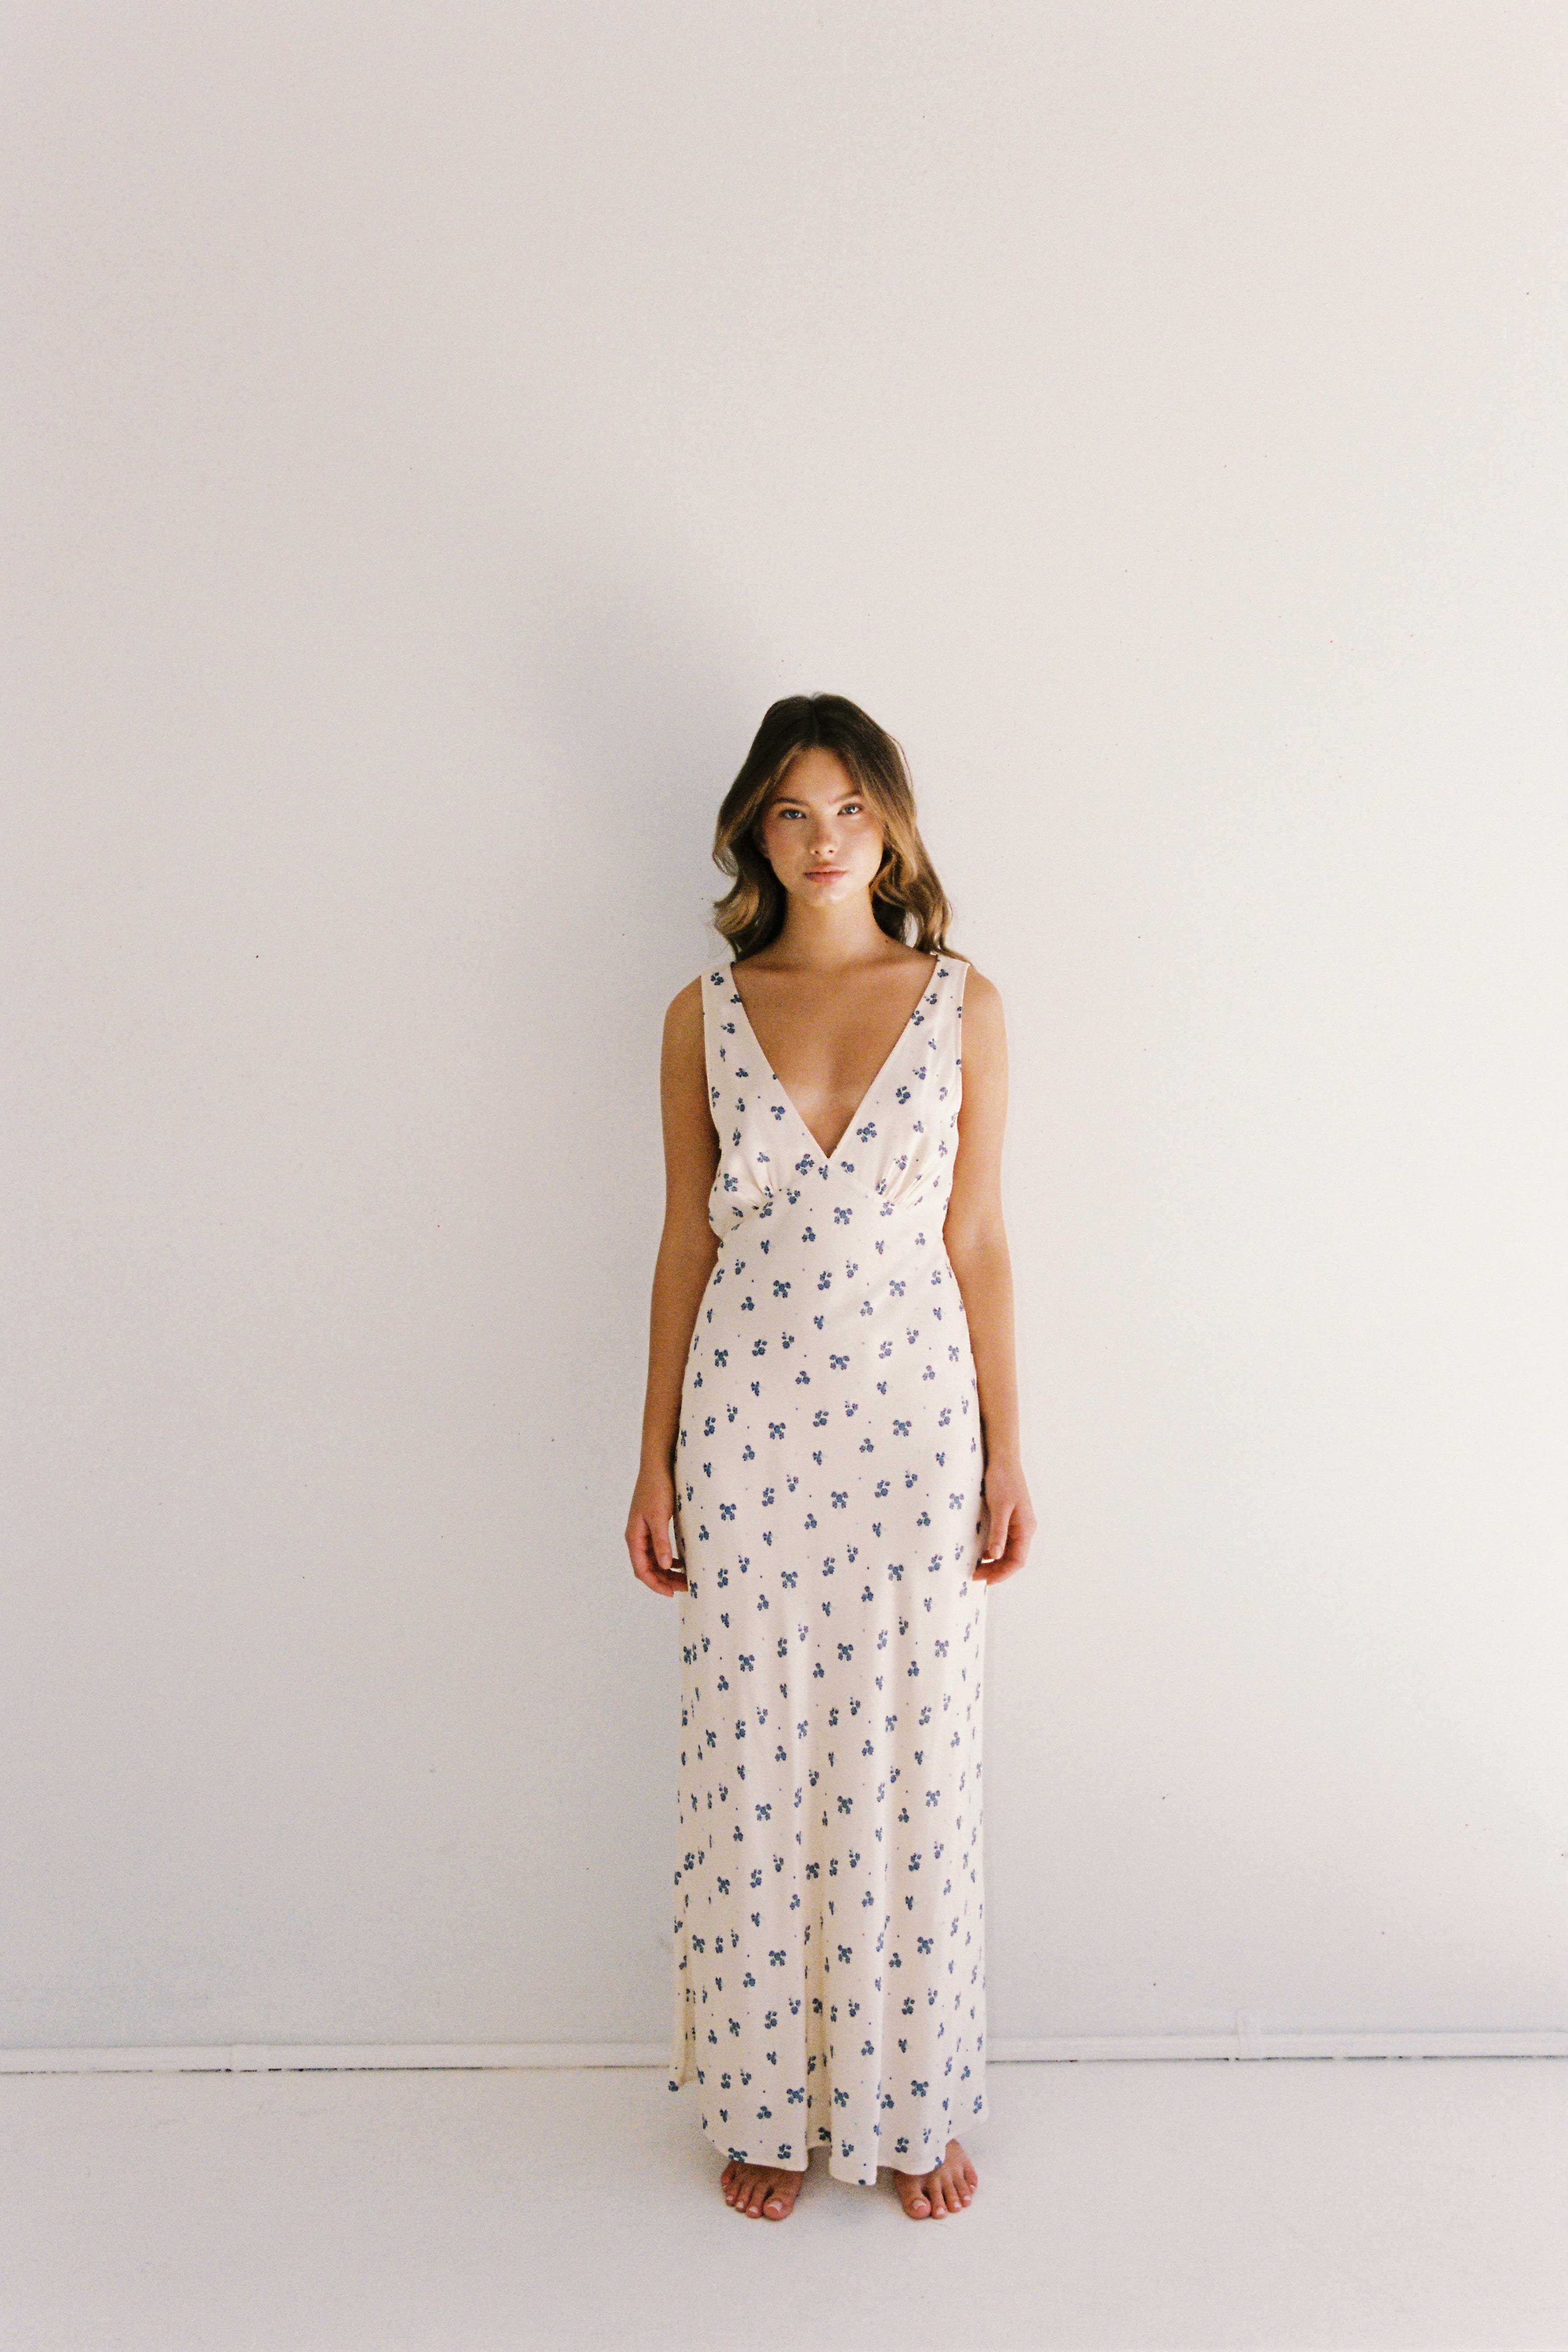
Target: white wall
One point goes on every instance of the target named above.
(434, 437)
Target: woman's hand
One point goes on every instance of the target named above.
(1009, 1520)
(655, 1561)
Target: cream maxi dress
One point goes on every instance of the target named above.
(830, 1983)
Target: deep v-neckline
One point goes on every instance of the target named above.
(824, 1159)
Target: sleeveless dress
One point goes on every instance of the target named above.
(830, 1985)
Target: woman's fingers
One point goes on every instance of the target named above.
(669, 1560)
(654, 1562)
(1019, 1526)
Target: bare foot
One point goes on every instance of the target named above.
(765, 2189)
(928, 2196)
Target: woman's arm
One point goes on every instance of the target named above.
(977, 1245)
(687, 1248)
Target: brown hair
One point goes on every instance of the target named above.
(751, 915)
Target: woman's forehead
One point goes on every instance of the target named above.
(816, 775)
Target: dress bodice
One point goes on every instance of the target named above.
(899, 1146)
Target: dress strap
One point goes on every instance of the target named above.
(716, 987)
(957, 975)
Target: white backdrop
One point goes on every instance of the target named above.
(433, 437)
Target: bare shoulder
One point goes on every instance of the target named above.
(683, 1052)
(684, 1007)
(982, 1005)
(985, 1036)
(683, 1064)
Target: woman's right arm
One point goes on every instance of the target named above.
(687, 1248)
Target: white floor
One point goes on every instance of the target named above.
(1414, 2203)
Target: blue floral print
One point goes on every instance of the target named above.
(830, 1985)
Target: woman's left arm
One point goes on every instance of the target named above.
(977, 1245)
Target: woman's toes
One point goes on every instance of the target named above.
(947, 2189)
(781, 2193)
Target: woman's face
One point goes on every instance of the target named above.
(823, 839)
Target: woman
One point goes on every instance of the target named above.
(831, 1423)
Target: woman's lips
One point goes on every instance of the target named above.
(824, 872)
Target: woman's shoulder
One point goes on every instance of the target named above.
(974, 980)
(985, 1043)
(982, 1000)
(684, 1012)
(976, 984)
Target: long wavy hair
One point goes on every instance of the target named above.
(751, 913)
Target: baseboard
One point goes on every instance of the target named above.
(349, 2057)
